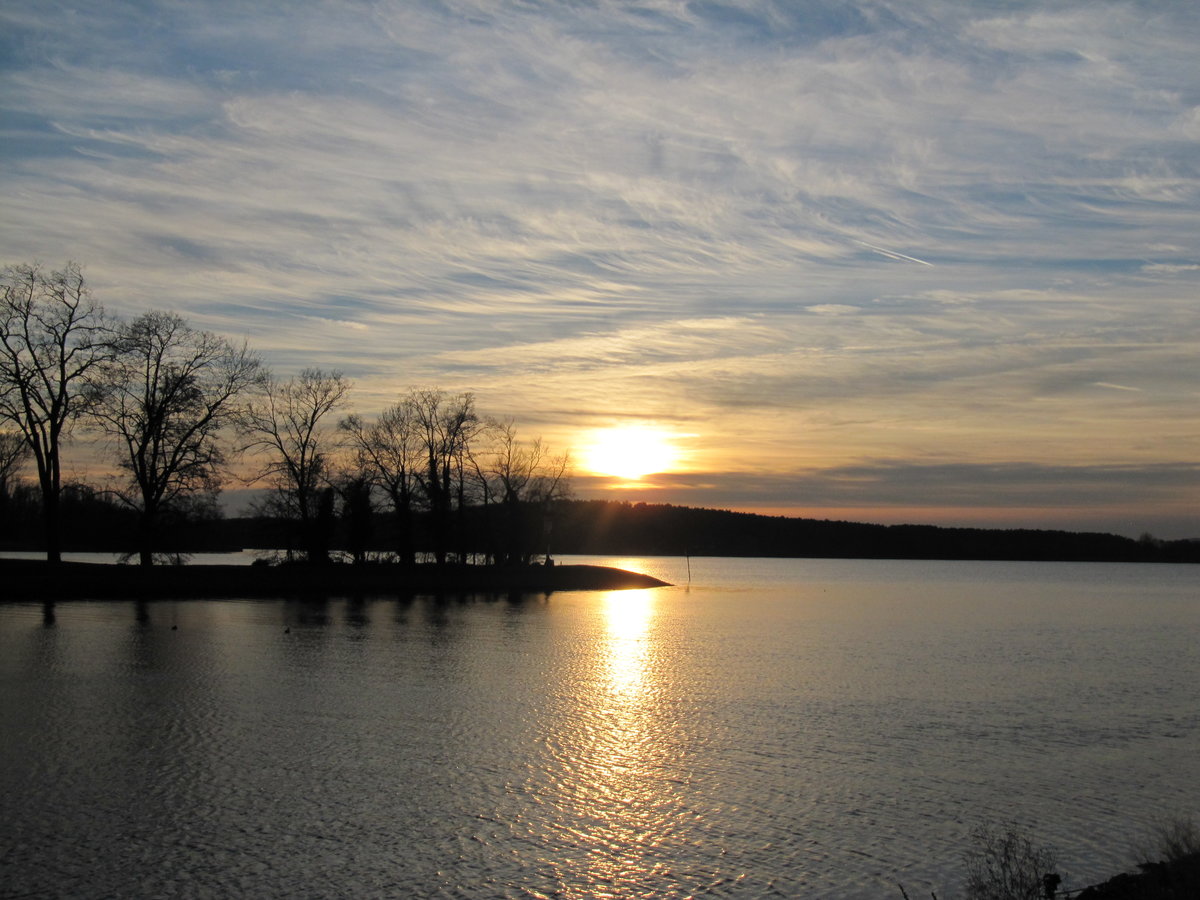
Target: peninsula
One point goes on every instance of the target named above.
(35, 580)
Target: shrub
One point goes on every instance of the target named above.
(1003, 864)
(1173, 839)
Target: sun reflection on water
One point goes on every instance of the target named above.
(618, 759)
(627, 616)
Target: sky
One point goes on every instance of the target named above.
(878, 261)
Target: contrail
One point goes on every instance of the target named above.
(891, 254)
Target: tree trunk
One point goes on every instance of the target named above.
(438, 516)
(51, 520)
(404, 536)
(321, 529)
(146, 537)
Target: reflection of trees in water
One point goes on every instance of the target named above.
(308, 611)
(433, 611)
(356, 613)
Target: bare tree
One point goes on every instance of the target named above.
(445, 426)
(285, 423)
(14, 451)
(389, 451)
(526, 480)
(52, 337)
(166, 398)
(15, 497)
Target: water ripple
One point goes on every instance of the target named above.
(799, 739)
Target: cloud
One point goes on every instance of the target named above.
(906, 484)
(1170, 268)
(840, 230)
(1135, 498)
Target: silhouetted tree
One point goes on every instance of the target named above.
(389, 452)
(52, 337)
(354, 489)
(94, 519)
(13, 454)
(285, 423)
(165, 398)
(323, 526)
(445, 426)
(525, 479)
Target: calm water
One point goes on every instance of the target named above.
(780, 728)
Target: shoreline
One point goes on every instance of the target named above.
(36, 580)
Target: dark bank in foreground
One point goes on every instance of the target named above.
(1003, 863)
(36, 580)
(1171, 879)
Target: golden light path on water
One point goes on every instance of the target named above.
(619, 754)
(627, 615)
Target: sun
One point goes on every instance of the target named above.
(630, 452)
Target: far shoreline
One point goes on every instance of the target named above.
(27, 580)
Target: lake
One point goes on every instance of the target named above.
(775, 728)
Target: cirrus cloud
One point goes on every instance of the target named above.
(806, 233)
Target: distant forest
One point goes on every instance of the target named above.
(92, 522)
(598, 526)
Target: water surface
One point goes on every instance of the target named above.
(795, 728)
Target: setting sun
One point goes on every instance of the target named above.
(630, 452)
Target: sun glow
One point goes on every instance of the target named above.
(630, 452)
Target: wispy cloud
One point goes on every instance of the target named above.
(806, 232)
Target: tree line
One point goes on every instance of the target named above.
(175, 407)
(606, 527)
